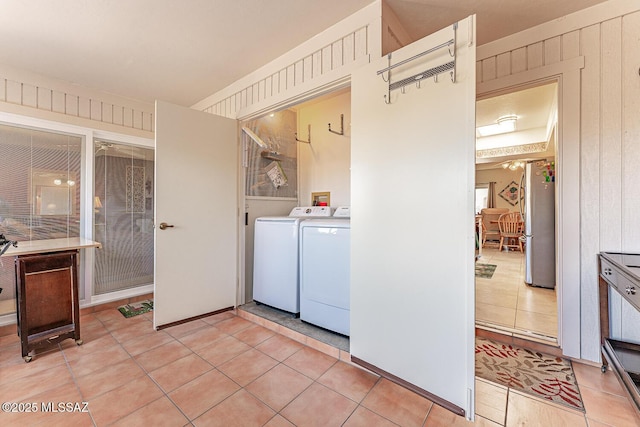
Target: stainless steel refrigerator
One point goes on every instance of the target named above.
(538, 212)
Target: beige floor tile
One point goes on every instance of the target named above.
(278, 421)
(147, 342)
(543, 324)
(525, 411)
(247, 366)
(311, 408)
(213, 319)
(162, 355)
(73, 351)
(505, 298)
(222, 350)
(98, 360)
(240, 410)
(136, 330)
(439, 417)
(47, 417)
(609, 408)
(497, 315)
(279, 347)
(397, 404)
(362, 417)
(122, 401)
(202, 337)
(592, 377)
(254, 335)
(185, 328)
(159, 413)
(491, 401)
(349, 381)
(310, 362)
(279, 386)
(21, 389)
(198, 396)
(233, 325)
(180, 372)
(110, 377)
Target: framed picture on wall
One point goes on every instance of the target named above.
(510, 193)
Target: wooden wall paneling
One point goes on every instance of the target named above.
(519, 60)
(590, 184)
(552, 50)
(71, 102)
(307, 68)
(299, 73)
(44, 98)
(58, 102)
(571, 45)
(631, 133)
(337, 58)
(348, 48)
(317, 63)
(255, 90)
(95, 108)
(282, 83)
(137, 119)
(14, 92)
(503, 64)
(361, 42)
(327, 57)
(29, 95)
(262, 91)
(291, 78)
(611, 149)
(107, 112)
(84, 107)
(489, 69)
(127, 117)
(118, 115)
(535, 58)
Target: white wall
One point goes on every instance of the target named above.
(502, 178)
(596, 52)
(325, 164)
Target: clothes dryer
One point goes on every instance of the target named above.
(276, 252)
(325, 272)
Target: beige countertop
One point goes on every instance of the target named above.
(50, 245)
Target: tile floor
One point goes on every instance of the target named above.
(228, 370)
(507, 303)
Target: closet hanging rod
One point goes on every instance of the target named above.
(426, 52)
(431, 72)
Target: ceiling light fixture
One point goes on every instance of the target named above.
(513, 165)
(504, 124)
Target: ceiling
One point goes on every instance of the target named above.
(184, 51)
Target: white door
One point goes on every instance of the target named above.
(196, 196)
(412, 220)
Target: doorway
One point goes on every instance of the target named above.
(504, 302)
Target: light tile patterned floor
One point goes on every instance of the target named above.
(225, 370)
(505, 301)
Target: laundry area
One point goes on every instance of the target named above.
(297, 217)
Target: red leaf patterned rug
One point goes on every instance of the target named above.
(547, 377)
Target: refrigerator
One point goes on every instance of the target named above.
(538, 212)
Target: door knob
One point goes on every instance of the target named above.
(164, 225)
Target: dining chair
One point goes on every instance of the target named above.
(490, 230)
(511, 228)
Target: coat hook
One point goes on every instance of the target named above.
(308, 136)
(402, 90)
(341, 126)
(435, 78)
(387, 100)
(453, 77)
(418, 84)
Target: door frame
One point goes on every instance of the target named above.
(521, 87)
(567, 74)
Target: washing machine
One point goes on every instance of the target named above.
(275, 258)
(325, 271)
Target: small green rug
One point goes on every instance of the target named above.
(135, 308)
(485, 271)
